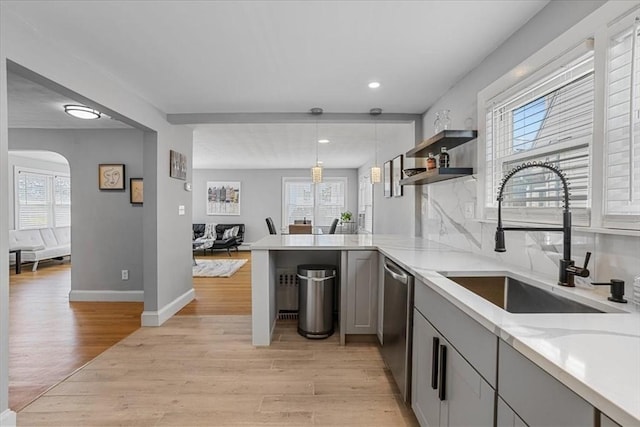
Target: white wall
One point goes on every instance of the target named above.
(261, 196)
(106, 230)
(442, 204)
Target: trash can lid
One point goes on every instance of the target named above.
(315, 270)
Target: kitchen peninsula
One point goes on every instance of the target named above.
(595, 355)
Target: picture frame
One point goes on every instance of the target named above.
(223, 198)
(111, 177)
(136, 191)
(396, 173)
(386, 179)
(177, 165)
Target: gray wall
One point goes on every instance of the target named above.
(261, 196)
(106, 229)
(393, 215)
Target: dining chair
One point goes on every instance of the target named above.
(334, 224)
(271, 226)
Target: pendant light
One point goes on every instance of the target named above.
(376, 174)
(316, 171)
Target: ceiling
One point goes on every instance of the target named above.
(270, 56)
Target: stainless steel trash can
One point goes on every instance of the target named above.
(315, 300)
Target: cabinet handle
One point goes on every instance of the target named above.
(443, 373)
(434, 363)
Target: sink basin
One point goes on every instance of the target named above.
(516, 296)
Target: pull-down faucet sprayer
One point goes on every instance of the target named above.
(567, 266)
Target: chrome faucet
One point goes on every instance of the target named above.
(568, 270)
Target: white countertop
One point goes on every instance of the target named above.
(596, 355)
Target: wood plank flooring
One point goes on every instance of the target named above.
(203, 371)
(50, 337)
(222, 295)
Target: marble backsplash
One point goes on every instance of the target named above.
(443, 219)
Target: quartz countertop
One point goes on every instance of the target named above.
(597, 355)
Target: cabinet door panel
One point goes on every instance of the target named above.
(424, 399)
(537, 397)
(380, 296)
(362, 292)
(469, 398)
(506, 417)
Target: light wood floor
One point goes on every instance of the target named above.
(49, 337)
(203, 370)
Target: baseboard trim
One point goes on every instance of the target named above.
(157, 318)
(103, 296)
(8, 418)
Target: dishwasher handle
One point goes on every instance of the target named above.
(397, 274)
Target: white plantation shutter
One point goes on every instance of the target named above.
(549, 119)
(319, 203)
(62, 201)
(622, 137)
(33, 196)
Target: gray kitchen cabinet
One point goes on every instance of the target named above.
(446, 389)
(506, 417)
(535, 396)
(362, 292)
(607, 422)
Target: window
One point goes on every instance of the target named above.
(42, 199)
(622, 135)
(548, 118)
(321, 203)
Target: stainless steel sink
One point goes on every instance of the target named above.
(516, 296)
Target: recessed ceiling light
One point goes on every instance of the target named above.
(374, 85)
(323, 141)
(82, 112)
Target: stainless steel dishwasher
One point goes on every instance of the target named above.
(397, 325)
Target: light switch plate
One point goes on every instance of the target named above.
(181, 210)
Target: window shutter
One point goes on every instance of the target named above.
(546, 120)
(62, 200)
(622, 141)
(34, 202)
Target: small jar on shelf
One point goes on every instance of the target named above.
(431, 162)
(443, 158)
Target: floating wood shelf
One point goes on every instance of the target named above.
(435, 175)
(446, 138)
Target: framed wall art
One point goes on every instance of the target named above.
(223, 198)
(386, 179)
(177, 165)
(136, 192)
(396, 173)
(111, 176)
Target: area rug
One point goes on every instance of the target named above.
(217, 267)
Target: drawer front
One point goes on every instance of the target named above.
(473, 341)
(537, 397)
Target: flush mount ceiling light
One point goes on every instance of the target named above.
(82, 112)
(375, 169)
(316, 171)
(323, 141)
(374, 85)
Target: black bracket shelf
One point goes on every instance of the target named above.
(446, 138)
(436, 175)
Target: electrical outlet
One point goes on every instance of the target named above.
(125, 274)
(469, 210)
